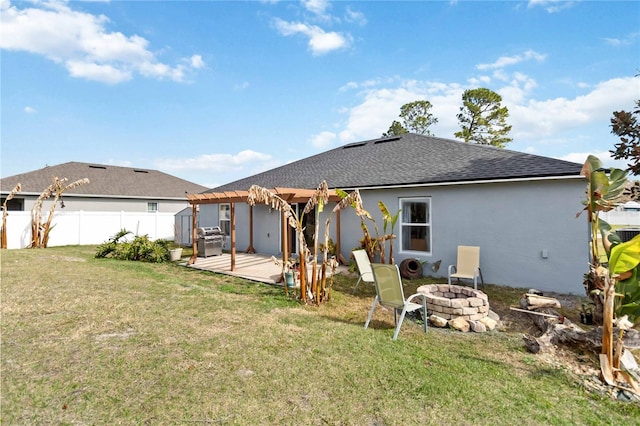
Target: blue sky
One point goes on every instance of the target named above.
(214, 91)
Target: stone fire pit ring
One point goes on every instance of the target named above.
(454, 301)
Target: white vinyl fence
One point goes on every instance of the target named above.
(622, 217)
(83, 227)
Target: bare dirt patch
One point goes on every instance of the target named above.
(582, 365)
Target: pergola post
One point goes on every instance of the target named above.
(194, 222)
(339, 256)
(233, 235)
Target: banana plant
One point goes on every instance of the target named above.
(604, 188)
(617, 282)
(3, 229)
(603, 194)
(389, 221)
(624, 267)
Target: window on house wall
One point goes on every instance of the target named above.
(152, 207)
(224, 219)
(14, 204)
(415, 225)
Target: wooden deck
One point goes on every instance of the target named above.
(254, 267)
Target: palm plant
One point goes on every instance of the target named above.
(40, 230)
(258, 194)
(389, 221)
(616, 284)
(3, 231)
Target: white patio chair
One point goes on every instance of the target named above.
(364, 268)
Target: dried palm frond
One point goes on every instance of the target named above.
(3, 231)
(259, 194)
(40, 231)
(354, 201)
(75, 184)
(320, 196)
(12, 194)
(347, 200)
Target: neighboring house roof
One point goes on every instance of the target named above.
(407, 160)
(104, 181)
(631, 205)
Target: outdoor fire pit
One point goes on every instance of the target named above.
(454, 301)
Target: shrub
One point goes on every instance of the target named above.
(141, 248)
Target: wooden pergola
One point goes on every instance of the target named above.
(290, 195)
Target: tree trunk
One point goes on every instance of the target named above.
(556, 332)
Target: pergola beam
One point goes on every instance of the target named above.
(290, 195)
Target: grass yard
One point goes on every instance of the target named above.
(99, 341)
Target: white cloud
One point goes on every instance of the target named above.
(212, 170)
(380, 107)
(354, 85)
(551, 6)
(626, 41)
(82, 44)
(30, 110)
(553, 122)
(540, 118)
(505, 61)
(355, 16)
(349, 86)
(520, 86)
(197, 62)
(220, 163)
(317, 7)
(324, 140)
(97, 72)
(320, 41)
(604, 156)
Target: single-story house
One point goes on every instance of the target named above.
(519, 208)
(111, 188)
(630, 206)
(141, 200)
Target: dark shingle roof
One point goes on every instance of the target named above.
(105, 180)
(410, 159)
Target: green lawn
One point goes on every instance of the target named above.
(98, 341)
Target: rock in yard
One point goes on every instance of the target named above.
(460, 324)
(437, 321)
(490, 323)
(477, 326)
(493, 316)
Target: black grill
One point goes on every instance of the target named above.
(210, 241)
(627, 234)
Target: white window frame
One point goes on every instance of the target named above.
(427, 224)
(152, 207)
(224, 215)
